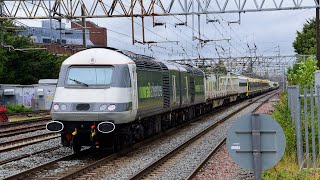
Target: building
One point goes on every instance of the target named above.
(50, 34)
(37, 96)
(98, 35)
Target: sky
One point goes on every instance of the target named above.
(270, 32)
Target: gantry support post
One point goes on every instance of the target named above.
(1, 24)
(318, 36)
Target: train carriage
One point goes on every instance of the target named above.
(108, 98)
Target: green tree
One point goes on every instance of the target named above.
(305, 42)
(25, 67)
(302, 73)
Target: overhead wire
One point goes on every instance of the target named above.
(160, 35)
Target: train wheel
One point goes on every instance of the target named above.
(76, 147)
(115, 145)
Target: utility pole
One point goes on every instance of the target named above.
(1, 24)
(132, 22)
(83, 13)
(60, 27)
(199, 35)
(193, 37)
(317, 35)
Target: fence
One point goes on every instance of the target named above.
(302, 107)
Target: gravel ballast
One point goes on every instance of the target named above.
(198, 151)
(124, 167)
(221, 166)
(32, 161)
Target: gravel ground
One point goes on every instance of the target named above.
(32, 161)
(119, 169)
(198, 152)
(221, 166)
(24, 135)
(268, 107)
(136, 160)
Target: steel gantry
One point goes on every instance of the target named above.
(273, 66)
(70, 9)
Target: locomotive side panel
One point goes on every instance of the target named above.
(199, 88)
(175, 89)
(150, 95)
(185, 89)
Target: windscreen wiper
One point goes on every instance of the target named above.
(79, 82)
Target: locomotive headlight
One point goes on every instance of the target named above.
(112, 107)
(63, 107)
(56, 107)
(103, 107)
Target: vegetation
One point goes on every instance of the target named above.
(25, 67)
(11, 108)
(305, 42)
(219, 68)
(288, 167)
(302, 73)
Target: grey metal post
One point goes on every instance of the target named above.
(284, 77)
(306, 125)
(297, 110)
(50, 16)
(314, 157)
(83, 13)
(1, 24)
(318, 35)
(291, 104)
(199, 25)
(193, 37)
(60, 27)
(318, 114)
(256, 146)
(186, 10)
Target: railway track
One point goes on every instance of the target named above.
(19, 143)
(22, 156)
(158, 167)
(216, 149)
(29, 113)
(20, 127)
(85, 169)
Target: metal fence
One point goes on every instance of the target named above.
(304, 106)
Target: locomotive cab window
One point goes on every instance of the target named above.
(89, 76)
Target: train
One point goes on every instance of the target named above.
(110, 98)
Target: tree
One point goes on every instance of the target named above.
(305, 42)
(25, 67)
(302, 73)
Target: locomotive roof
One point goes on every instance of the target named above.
(115, 56)
(98, 56)
(144, 61)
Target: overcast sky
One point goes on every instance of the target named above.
(268, 31)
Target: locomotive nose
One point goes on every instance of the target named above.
(106, 127)
(54, 126)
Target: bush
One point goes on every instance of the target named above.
(11, 108)
(283, 117)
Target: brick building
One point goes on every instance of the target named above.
(98, 35)
(49, 35)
